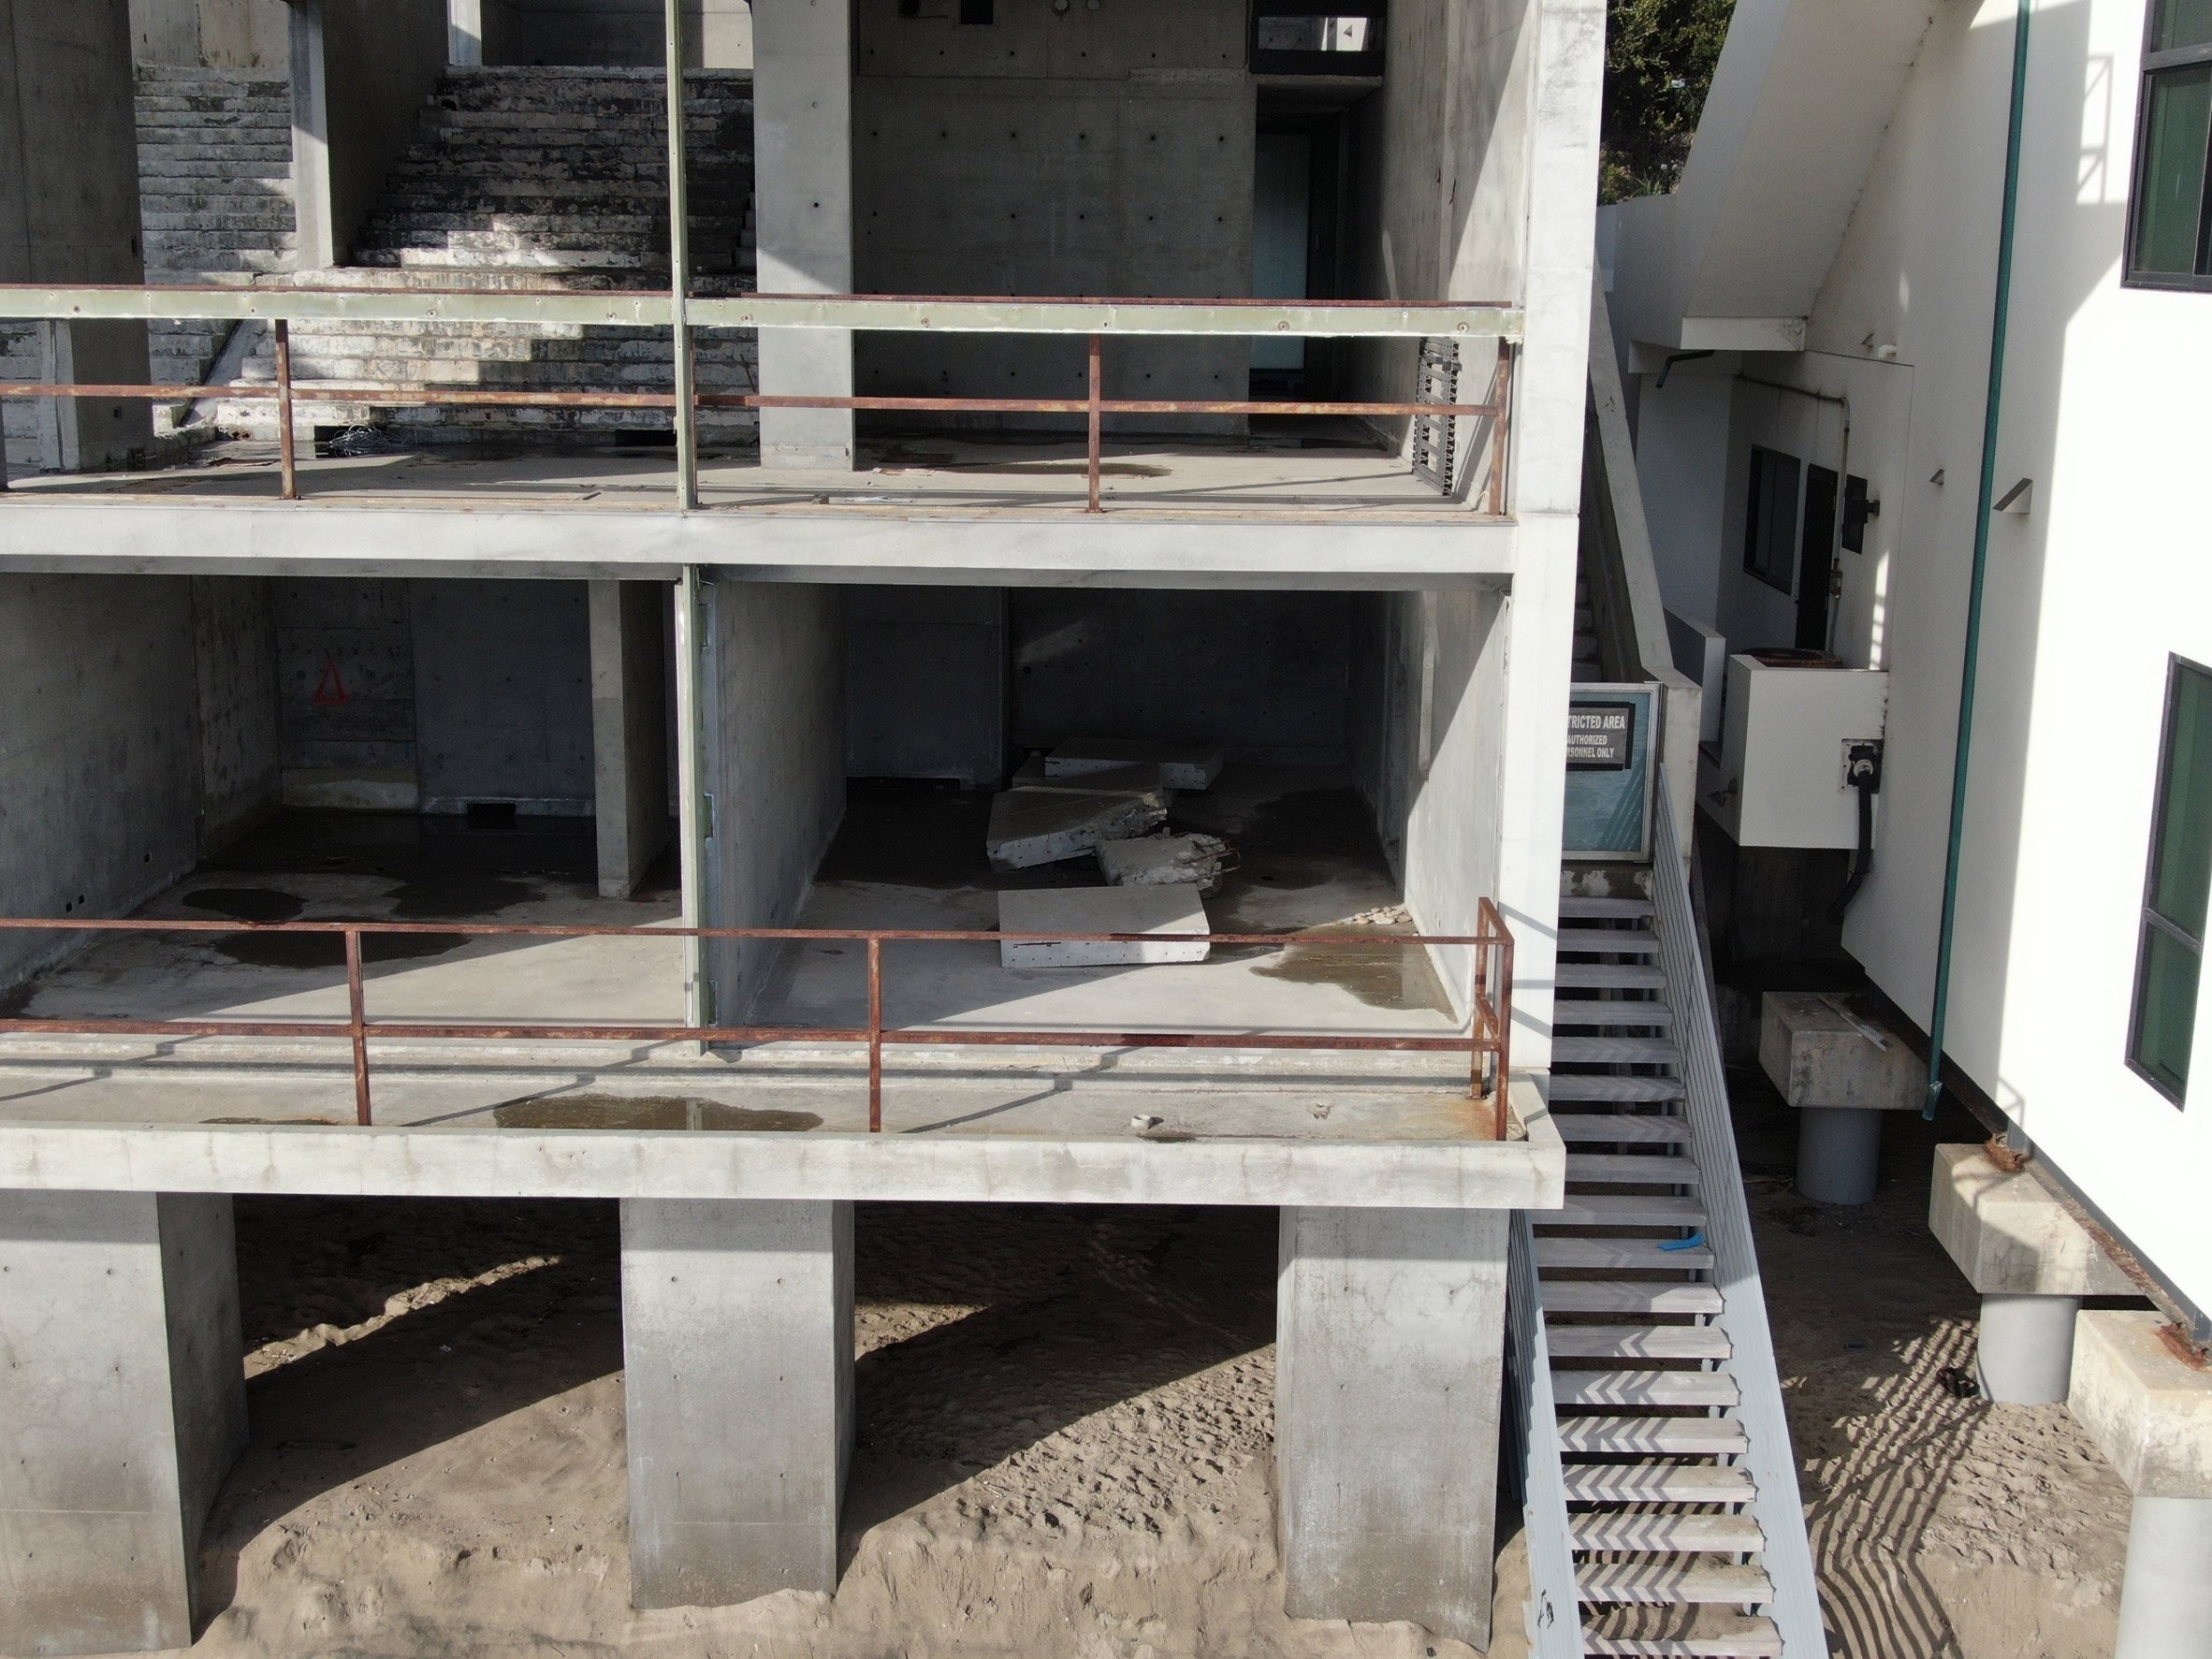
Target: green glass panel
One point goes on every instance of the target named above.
(2181, 876)
(2182, 22)
(2168, 216)
(2165, 1008)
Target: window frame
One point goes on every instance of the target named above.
(1782, 577)
(2156, 63)
(2147, 917)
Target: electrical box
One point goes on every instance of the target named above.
(1787, 738)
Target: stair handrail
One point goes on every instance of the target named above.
(1768, 1459)
(1555, 1600)
(1624, 598)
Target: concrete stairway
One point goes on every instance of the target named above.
(525, 177)
(214, 193)
(1675, 1487)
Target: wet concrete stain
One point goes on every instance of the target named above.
(647, 1112)
(459, 895)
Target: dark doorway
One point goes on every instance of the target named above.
(1816, 559)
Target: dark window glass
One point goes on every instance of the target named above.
(2169, 219)
(1770, 517)
(2181, 23)
(2173, 929)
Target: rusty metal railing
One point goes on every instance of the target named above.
(1215, 317)
(1486, 1042)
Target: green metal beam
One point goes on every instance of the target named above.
(655, 310)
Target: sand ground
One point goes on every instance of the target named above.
(1063, 1442)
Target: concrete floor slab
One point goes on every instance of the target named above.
(1183, 766)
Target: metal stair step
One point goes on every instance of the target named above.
(1663, 1534)
(1618, 1127)
(1654, 1389)
(1624, 1208)
(1608, 976)
(1569, 1085)
(1593, 909)
(1652, 1436)
(1615, 1051)
(1657, 1483)
(1613, 1255)
(1631, 1166)
(1633, 941)
(1672, 1583)
(1758, 1640)
(1582, 1013)
(1626, 1296)
(1637, 1342)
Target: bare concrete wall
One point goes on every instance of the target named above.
(1102, 150)
(234, 651)
(70, 210)
(775, 724)
(1428, 737)
(345, 685)
(361, 72)
(630, 709)
(99, 784)
(1262, 674)
(503, 694)
(615, 33)
(212, 33)
(925, 683)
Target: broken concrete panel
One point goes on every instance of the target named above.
(1183, 766)
(1818, 1053)
(1101, 909)
(1162, 861)
(1144, 778)
(1034, 826)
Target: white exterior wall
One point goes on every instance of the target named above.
(2087, 593)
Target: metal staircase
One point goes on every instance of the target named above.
(1663, 1514)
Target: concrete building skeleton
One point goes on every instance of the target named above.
(554, 522)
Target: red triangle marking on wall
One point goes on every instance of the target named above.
(330, 692)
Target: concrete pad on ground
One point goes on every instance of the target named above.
(1141, 778)
(1101, 909)
(1183, 766)
(1153, 861)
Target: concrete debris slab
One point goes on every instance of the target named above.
(1164, 861)
(1142, 778)
(1034, 826)
(1183, 766)
(1101, 909)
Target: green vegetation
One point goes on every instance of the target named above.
(1659, 60)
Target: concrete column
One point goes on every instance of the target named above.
(738, 1377)
(1390, 1337)
(2024, 1352)
(1839, 1154)
(2150, 1411)
(314, 212)
(2166, 1598)
(123, 1405)
(464, 29)
(2031, 1261)
(803, 164)
(70, 211)
(629, 729)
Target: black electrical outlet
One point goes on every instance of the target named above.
(1862, 762)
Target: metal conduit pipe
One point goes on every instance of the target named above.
(2000, 315)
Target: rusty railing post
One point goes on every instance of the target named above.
(1501, 430)
(875, 1034)
(1478, 1016)
(288, 455)
(1097, 418)
(1505, 1024)
(356, 1018)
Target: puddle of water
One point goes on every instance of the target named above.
(647, 1112)
(458, 896)
(247, 904)
(1385, 974)
(327, 950)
